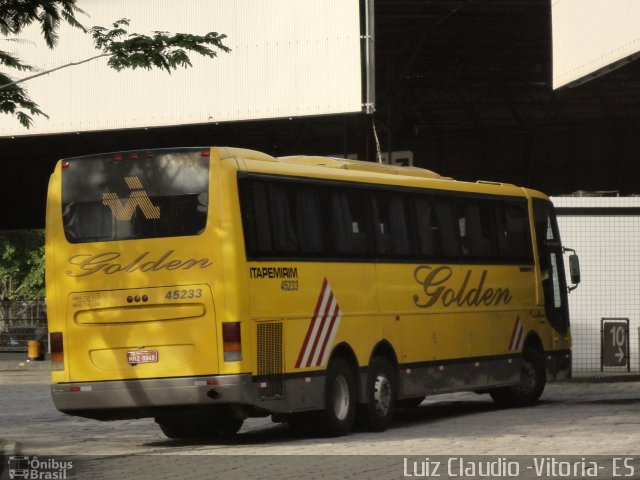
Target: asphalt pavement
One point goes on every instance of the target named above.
(592, 418)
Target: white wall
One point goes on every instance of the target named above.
(589, 35)
(289, 58)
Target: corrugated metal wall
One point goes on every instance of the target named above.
(289, 58)
(589, 35)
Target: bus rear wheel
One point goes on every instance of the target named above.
(376, 414)
(533, 378)
(197, 427)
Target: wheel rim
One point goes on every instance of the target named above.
(341, 398)
(382, 395)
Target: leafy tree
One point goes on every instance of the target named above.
(124, 50)
(21, 264)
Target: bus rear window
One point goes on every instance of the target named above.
(130, 195)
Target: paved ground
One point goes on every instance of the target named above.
(580, 418)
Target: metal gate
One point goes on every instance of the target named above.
(21, 321)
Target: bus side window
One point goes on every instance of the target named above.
(435, 227)
(481, 231)
(309, 220)
(426, 231)
(398, 225)
(349, 223)
(513, 232)
(338, 223)
(256, 217)
(361, 219)
(449, 237)
(282, 218)
(381, 222)
(392, 238)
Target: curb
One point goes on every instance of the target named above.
(24, 365)
(602, 378)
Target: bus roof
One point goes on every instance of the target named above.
(361, 166)
(349, 164)
(331, 162)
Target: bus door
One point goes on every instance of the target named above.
(552, 275)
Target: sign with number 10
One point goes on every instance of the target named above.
(615, 342)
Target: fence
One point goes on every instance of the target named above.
(604, 231)
(21, 321)
(587, 350)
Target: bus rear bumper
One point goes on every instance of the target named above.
(143, 398)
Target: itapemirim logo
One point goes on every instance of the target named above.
(21, 466)
(138, 198)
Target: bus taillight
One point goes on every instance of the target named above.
(57, 350)
(231, 341)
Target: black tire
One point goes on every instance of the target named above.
(381, 392)
(533, 378)
(194, 427)
(340, 400)
(409, 402)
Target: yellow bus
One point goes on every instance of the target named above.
(203, 286)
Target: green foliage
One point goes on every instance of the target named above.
(162, 50)
(21, 264)
(14, 100)
(124, 50)
(15, 15)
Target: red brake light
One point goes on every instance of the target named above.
(56, 345)
(55, 341)
(117, 158)
(204, 153)
(231, 341)
(65, 164)
(133, 156)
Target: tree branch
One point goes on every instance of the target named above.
(40, 74)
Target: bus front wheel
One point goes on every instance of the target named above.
(533, 378)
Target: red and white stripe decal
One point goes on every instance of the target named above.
(517, 336)
(322, 330)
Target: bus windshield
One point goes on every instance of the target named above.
(132, 195)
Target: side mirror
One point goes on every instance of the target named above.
(574, 268)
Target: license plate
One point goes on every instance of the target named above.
(142, 356)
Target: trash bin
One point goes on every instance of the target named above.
(34, 350)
